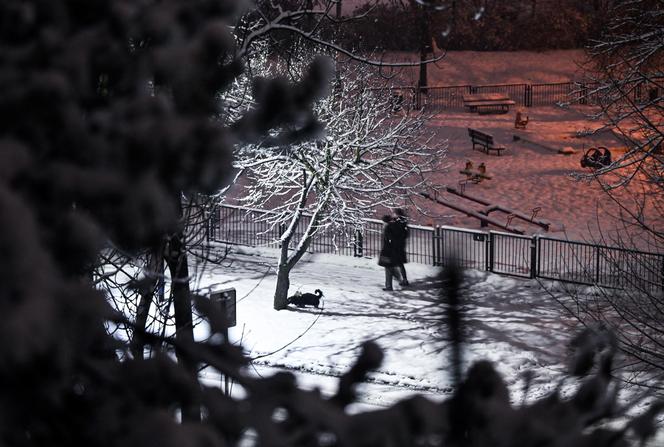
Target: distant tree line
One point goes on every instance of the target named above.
(480, 26)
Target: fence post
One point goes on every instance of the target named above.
(539, 258)
(214, 223)
(433, 246)
(208, 229)
(528, 96)
(584, 94)
(597, 264)
(358, 247)
(533, 256)
(439, 248)
(489, 252)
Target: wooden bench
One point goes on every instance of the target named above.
(488, 102)
(484, 141)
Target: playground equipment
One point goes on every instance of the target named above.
(510, 212)
(483, 218)
(475, 176)
(596, 158)
(540, 145)
(483, 214)
(519, 121)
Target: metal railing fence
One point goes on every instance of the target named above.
(585, 263)
(524, 95)
(494, 251)
(247, 226)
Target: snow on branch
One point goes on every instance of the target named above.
(629, 76)
(368, 157)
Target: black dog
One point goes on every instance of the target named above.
(306, 299)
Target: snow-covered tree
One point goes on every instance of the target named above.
(628, 65)
(366, 158)
(136, 280)
(257, 49)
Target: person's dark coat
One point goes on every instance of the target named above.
(389, 252)
(401, 234)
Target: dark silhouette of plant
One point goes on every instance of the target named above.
(480, 412)
(106, 110)
(475, 25)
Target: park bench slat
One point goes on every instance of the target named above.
(508, 102)
(486, 97)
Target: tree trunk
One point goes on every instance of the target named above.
(283, 280)
(283, 284)
(155, 271)
(286, 264)
(425, 47)
(176, 259)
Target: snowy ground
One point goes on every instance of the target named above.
(512, 322)
(527, 176)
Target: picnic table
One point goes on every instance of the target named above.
(488, 102)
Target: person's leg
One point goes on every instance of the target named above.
(396, 273)
(388, 278)
(404, 279)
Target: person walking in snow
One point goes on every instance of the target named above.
(401, 238)
(388, 251)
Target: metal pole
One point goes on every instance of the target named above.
(227, 388)
(597, 264)
(533, 256)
